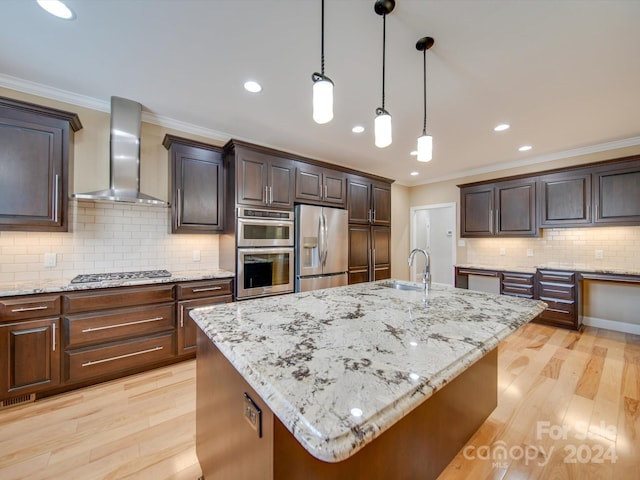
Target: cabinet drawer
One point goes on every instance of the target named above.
(518, 290)
(118, 357)
(206, 288)
(553, 276)
(85, 329)
(518, 278)
(558, 310)
(116, 297)
(29, 306)
(556, 291)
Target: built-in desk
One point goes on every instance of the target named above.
(563, 289)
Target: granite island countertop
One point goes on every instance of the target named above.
(29, 287)
(340, 366)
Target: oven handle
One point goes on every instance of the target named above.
(260, 221)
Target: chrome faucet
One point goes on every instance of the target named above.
(426, 276)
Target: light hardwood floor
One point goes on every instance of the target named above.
(563, 397)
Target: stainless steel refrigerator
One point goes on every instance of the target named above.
(322, 247)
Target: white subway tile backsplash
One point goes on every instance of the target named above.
(105, 237)
(569, 246)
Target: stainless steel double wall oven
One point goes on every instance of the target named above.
(265, 262)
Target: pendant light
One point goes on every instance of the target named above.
(382, 124)
(322, 87)
(425, 142)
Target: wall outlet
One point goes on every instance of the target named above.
(503, 251)
(529, 252)
(599, 254)
(461, 242)
(50, 260)
(195, 255)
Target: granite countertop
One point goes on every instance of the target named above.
(341, 365)
(572, 267)
(8, 289)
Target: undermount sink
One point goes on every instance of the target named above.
(398, 285)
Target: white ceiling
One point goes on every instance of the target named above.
(565, 74)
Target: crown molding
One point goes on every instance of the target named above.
(65, 96)
(575, 152)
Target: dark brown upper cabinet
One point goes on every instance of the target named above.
(565, 199)
(505, 209)
(616, 194)
(262, 178)
(197, 186)
(368, 202)
(315, 184)
(36, 146)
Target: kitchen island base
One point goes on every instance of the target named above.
(420, 445)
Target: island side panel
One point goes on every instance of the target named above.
(420, 445)
(226, 444)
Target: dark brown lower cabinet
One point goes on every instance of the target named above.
(29, 357)
(560, 290)
(54, 343)
(369, 253)
(193, 295)
(518, 284)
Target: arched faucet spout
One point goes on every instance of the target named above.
(426, 276)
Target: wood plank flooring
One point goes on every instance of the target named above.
(568, 408)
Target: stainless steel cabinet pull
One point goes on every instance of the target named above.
(491, 220)
(325, 191)
(270, 195)
(126, 355)
(53, 336)
(116, 325)
(178, 204)
(207, 289)
(56, 200)
(29, 309)
(374, 217)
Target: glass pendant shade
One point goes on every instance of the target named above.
(382, 129)
(425, 148)
(322, 100)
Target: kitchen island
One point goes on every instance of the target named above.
(363, 381)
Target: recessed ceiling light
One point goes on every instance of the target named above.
(358, 129)
(525, 148)
(414, 153)
(57, 8)
(413, 174)
(252, 86)
(502, 127)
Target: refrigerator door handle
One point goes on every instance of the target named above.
(325, 237)
(320, 239)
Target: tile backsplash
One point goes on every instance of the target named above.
(607, 247)
(105, 237)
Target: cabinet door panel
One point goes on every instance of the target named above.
(617, 196)
(281, 178)
(334, 187)
(252, 180)
(516, 208)
(381, 254)
(476, 215)
(30, 356)
(199, 182)
(358, 202)
(359, 249)
(565, 199)
(187, 328)
(31, 161)
(381, 204)
(308, 183)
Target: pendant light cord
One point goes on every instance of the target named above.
(424, 63)
(322, 41)
(384, 44)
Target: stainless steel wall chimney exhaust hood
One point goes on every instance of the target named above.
(126, 121)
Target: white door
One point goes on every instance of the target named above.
(433, 227)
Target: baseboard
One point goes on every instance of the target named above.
(612, 325)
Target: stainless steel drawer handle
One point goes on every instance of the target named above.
(126, 324)
(556, 291)
(208, 289)
(513, 287)
(29, 309)
(126, 355)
